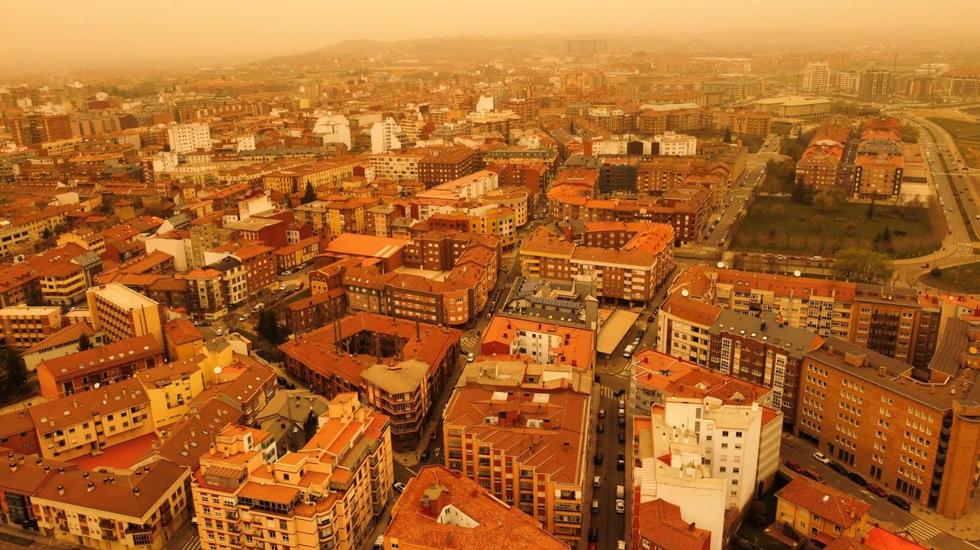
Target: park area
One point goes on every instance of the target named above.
(967, 138)
(960, 279)
(779, 225)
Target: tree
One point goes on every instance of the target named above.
(46, 234)
(802, 194)
(828, 200)
(13, 373)
(859, 264)
(310, 194)
(870, 212)
(269, 327)
(728, 135)
(84, 342)
(936, 272)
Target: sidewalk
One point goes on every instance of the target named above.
(16, 538)
(965, 528)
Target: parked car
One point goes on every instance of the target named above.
(597, 459)
(595, 506)
(621, 463)
(597, 481)
(900, 502)
(839, 468)
(602, 413)
(821, 457)
(219, 331)
(600, 427)
(593, 534)
(622, 437)
(793, 465)
(399, 487)
(620, 506)
(876, 489)
(856, 478)
(243, 317)
(424, 457)
(470, 357)
(812, 474)
(621, 422)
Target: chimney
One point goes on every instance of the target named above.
(90, 487)
(61, 490)
(13, 466)
(691, 527)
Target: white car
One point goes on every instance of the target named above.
(620, 506)
(219, 332)
(620, 545)
(470, 357)
(821, 457)
(399, 486)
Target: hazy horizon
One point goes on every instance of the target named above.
(72, 35)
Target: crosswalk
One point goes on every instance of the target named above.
(922, 531)
(193, 543)
(606, 391)
(470, 341)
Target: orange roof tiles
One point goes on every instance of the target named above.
(829, 503)
(661, 523)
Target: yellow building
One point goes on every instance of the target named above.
(171, 387)
(141, 509)
(123, 313)
(324, 496)
(88, 422)
(820, 512)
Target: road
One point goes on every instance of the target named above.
(959, 196)
(883, 512)
(732, 208)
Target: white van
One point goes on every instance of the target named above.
(620, 491)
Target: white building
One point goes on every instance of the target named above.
(485, 104)
(699, 455)
(245, 143)
(847, 82)
(385, 136)
(333, 129)
(187, 138)
(816, 78)
(677, 145)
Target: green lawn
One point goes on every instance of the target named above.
(963, 279)
(967, 138)
(780, 226)
(975, 111)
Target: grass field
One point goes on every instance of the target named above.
(975, 111)
(778, 225)
(963, 279)
(967, 138)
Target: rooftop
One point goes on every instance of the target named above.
(820, 499)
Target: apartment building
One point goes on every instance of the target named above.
(190, 137)
(660, 524)
(88, 422)
(297, 255)
(94, 367)
(440, 165)
(327, 495)
(142, 508)
(912, 430)
(396, 165)
(207, 298)
(24, 326)
(124, 313)
(628, 261)
(878, 169)
(683, 328)
(544, 342)
(820, 166)
(701, 455)
(325, 176)
(442, 510)
(819, 512)
(502, 412)
(334, 359)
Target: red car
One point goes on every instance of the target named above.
(793, 465)
(811, 473)
(876, 489)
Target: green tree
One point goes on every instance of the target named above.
(829, 200)
(728, 135)
(859, 264)
(802, 194)
(310, 194)
(13, 373)
(870, 212)
(84, 342)
(269, 327)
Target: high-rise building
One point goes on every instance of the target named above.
(386, 136)
(875, 84)
(816, 78)
(327, 495)
(532, 421)
(124, 313)
(190, 137)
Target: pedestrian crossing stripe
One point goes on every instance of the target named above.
(194, 543)
(922, 531)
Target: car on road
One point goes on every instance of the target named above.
(839, 468)
(900, 502)
(620, 545)
(821, 457)
(876, 489)
(812, 474)
(424, 457)
(597, 459)
(621, 422)
(593, 534)
(219, 331)
(621, 462)
(600, 427)
(595, 506)
(622, 437)
(602, 413)
(243, 317)
(597, 481)
(856, 478)
(620, 506)
(793, 465)
(470, 357)
(399, 486)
